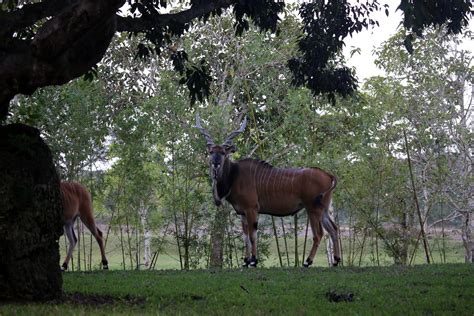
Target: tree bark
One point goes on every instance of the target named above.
(217, 238)
(31, 217)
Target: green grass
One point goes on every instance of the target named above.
(395, 290)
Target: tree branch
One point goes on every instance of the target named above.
(141, 24)
(59, 33)
(64, 48)
(29, 14)
(448, 218)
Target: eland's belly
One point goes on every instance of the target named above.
(281, 207)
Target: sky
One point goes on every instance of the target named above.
(368, 40)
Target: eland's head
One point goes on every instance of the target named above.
(219, 154)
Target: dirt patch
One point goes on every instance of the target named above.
(77, 298)
(197, 297)
(99, 300)
(338, 297)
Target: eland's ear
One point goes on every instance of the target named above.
(209, 147)
(229, 149)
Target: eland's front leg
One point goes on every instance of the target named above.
(247, 244)
(252, 223)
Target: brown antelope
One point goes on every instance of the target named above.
(254, 187)
(77, 203)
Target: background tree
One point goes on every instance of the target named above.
(435, 103)
(74, 120)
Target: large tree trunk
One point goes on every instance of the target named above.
(217, 238)
(31, 217)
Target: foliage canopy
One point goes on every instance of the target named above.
(51, 42)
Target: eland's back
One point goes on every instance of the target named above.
(278, 191)
(76, 200)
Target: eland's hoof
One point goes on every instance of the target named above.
(246, 263)
(307, 263)
(64, 267)
(253, 262)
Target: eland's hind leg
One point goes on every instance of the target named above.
(315, 220)
(331, 228)
(88, 220)
(100, 240)
(71, 236)
(85, 213)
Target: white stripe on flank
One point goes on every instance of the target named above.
(292, 180)
(255, 175)
(281, 175)
(261, 185)
(268, 186)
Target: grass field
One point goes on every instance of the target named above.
(420, 290)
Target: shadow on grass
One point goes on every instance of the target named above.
(99, 300)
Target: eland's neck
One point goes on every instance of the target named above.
(221, 186)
